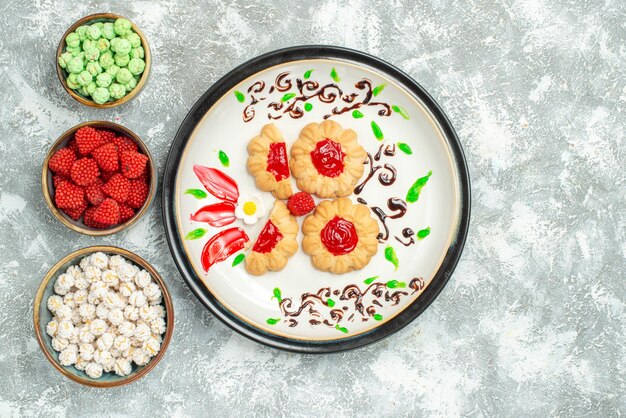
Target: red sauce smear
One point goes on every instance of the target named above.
(277, 161)
(339, 236)
(216, 182)
(268, 238)
(328, 158)
(217, 214)
(222, 245)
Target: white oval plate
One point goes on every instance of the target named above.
(301, 308)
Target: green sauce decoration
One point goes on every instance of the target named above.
(272, 321)
(238, 259)
(288, 96)
(378, 133)
(330, 302)
(357, 114)
(197, 193)
(378, 317)
(414, 192)
(390, 255)
(277, 295)
(393, 284)
(223, 158)
(240, 96)
(334, 75)
(307, 74)
(370, 280)
(308, 107)
(196, 233)
(405, 148)
(378, 89)
(401, 111)
(342, 329)
(423, 233)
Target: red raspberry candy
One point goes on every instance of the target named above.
(57, 179)
(89, 221)
(61, 162)
(106, 157)
(106, 135)
(300, 204)
(76, 213)
(68, 196)
(138, 194)
(87, 139)
(107, 213)
(94, 193)
(126, 212)
(118, 187)
(84, 171)
(133, 163)
(125, 144)
(73, 146)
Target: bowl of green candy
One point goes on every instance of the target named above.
(103, 60)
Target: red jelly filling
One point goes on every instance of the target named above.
(339, 236)
(328, 158)
(268, 238)
(277, 161)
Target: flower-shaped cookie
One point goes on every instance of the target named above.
(340, 236)
(275, 244)
(327, 160)
(267, 162)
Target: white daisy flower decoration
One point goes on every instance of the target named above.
(249, 209)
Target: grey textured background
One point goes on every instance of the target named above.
(531, 323)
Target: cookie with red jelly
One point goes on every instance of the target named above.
(340, 236)
(268, 162)
(327, 160)
(276, 242)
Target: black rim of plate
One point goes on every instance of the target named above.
(225, 84)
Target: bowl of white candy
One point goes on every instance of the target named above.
(103, 316)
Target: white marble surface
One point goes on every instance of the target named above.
(532, 323)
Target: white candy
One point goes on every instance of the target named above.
(98, 327)
(121, 343)
(127, 288)
(68, 299)
(140, 357)
(63, 312)
(151, 346)
(115, 262)
(142, 332)
(109, 277)
(152, 291)
(102, 311)
(65, 329)
(116, 316)
(131, 313)
(74, 271)
(85, 335)
(59, 289)
(112, 300)
(156, 301)
(100, 260)
(126, 328)
(160, 311)
(93, 370)
(143, 279)
(67, 357)
(76, 318)
(65, 281)
(54, 302)
(105, 341)
(52, 327)
(59, 344)
(87, 311)
(99, 290)
(157, 326)
(80, 297)
(147, 313)
(108, 362)
(127, 272)
(81, 363)
(122, 367)
(86, 351)
(93, 274)
(138, 299)
(81, 282)
(85, 263)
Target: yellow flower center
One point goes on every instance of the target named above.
(249, 208)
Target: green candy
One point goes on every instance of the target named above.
(72, 81)
(73, 50)
(137, 52)
(104, 80)
(131, 84)
(94, 68)
(136, 66)
(64, 58)
(81, 31)
(75, 65)
(123, 76)
(94, 32)
(92, 54)
(103, 44)
(122, 26)
(90, 88)
(113, 43)
(112, 70)
(99, 24)
(88, 44)
(134, 39)
(106, 59)
(84, 78)
(121, 60)
(117, 91)
(73, 40)
(100, 95)
(82, 91)
(108, 31)
(122, 46)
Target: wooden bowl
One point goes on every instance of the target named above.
(103, 17)
(48, 187)
(41, 317)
